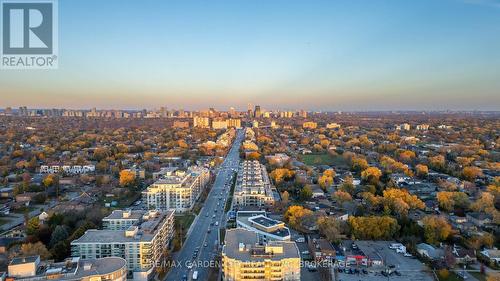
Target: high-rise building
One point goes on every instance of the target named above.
(309, 125)
(219, 124)
(177, 190)
(257, 112)
(244, 257)
(236, 123)
(201, 122)
(253, 187)
(142, 244)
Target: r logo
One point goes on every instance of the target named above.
(27, 28)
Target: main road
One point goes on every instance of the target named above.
(201, 245)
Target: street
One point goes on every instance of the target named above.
(201, 245)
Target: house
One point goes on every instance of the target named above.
(493, 255)
(43, 217)
(429, 251)
(464, 256)
(479, 219)
(317, 192)
(321, 249)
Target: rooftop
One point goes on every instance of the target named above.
(243, 245)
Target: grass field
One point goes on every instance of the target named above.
(184, 221)
(323, 159)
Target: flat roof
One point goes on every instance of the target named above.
(237, 236)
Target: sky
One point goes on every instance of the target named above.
(327, 55)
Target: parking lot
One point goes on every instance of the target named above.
(408, 268)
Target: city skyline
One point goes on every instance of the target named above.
(315, 55)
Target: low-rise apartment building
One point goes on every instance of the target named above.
(141, 244)
(74, 269)
(244, 257)
(253, 187)
(177, 190)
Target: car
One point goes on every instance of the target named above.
(300, 240)
(206, 215)
(205, 245)
(209, 230)
(408, 255)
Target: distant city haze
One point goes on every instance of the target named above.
(280, 54)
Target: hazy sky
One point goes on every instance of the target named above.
(281, 54)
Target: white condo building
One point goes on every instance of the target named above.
(253, 187)
(177, 190)
(141, 244)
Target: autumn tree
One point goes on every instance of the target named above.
(253, 155)
(341, 196)
(374, 227)
(50, 180)
(34, 249)
(450, 200)
(437, 162)
(422, 170)
(470, 173)
(127, 177)
(436, 229)
(371, 174)
(331, 228)
(295, 214)
(281, 174)
(306, 192)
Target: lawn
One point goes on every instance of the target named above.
(323, 159)
(184, 221)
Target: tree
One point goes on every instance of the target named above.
(32, 226)
(341, 196)
(373, 228)
(443, 274)
(436, 229)
(306, 193)
(127, 177)
(50, 180)
(325, 181)
(34, 249)
(437, 162)
(60, 233)
(295, 214)
(285, 197)
(449, 200)
(486, 202)
(471, 173)
(281, 174)
(371, 174)
(330, 228)
(422, 170)
(253, 156)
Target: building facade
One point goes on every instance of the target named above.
(244, 257)
(177, 190)
(141, 244)
(253, 187)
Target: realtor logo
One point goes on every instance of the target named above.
(29, 34)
